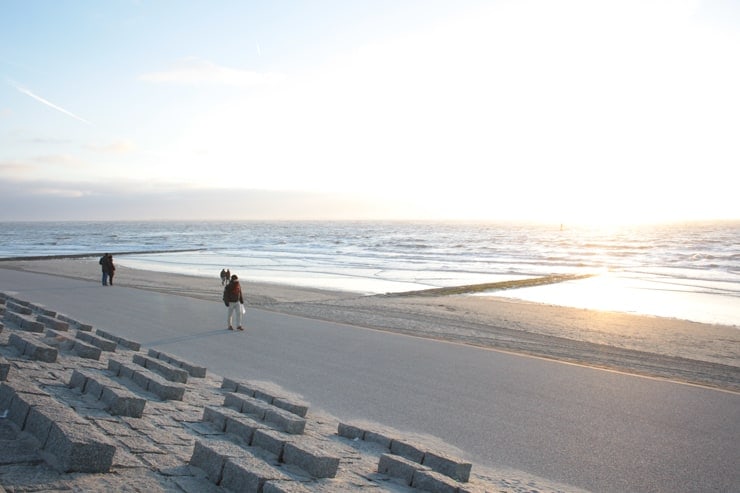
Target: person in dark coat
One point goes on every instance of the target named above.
(234, 300)
(106, 264)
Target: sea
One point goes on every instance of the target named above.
(688, 271)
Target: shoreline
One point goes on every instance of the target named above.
(673, 349)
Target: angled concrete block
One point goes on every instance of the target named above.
(249, 473)
(398, 467)
(295, 407)
(407, 450)
(312, 459)
(211, 455)
(166, 391)
(285, 421)
(453, 467)
(72, 447)
(269, 440)
(122, 402)
(434, 482)
(350, 431)
(242, 427)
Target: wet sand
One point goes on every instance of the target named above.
(679, 350)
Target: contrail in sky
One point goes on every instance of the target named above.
(49, 103)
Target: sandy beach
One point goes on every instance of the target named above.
(659, 347)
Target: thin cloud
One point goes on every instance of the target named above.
(48, 103)
(195, 71)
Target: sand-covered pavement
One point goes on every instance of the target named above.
(661, 347)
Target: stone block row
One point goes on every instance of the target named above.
(233, 467)
(287, 448)
(278, 418)
(34, 349)
(147, 380)
(67, 441)
(104, 344)
(80, 348)
(17, 307)
(118, 399)
(193, 370)
(74, 323)
(445, 464)
(23, 322)
(253, 389)
(169, 372)
(132, 345)
(52, 323)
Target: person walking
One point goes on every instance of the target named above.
(234, 301)
(106, 263)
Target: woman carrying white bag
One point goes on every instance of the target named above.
(234, 300)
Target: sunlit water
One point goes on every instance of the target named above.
(686, 271)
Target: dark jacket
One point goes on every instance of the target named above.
(233, 292)
(106, 261)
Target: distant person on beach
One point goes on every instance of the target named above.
(234, 300)
(224, 277)
(106, 263)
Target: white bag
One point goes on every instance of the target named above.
(242, 309)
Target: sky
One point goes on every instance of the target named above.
(565, 111)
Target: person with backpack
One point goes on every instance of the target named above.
(234, 301)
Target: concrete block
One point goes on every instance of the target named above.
(379, 438)
(434, 482)
(407, 450)
(285, 421)
(140, 378)
(78, 380)
(96, 341)
(166, 391)
(38, 351)
(16, 307)
(269, 440)
(211, 455)
(121, 402)
(249, 473)
(263, 396)
(38, 423)
(315, 461)
(17, 342)
(297, 408)
(87, 351)
(169, 372)
(399, 467)
(453, 467)
(241, 426)
(192, 369)
(114, 366)
(215, 416)
(78, 448)
(350, 431)
(53, 323)
(229, 384)
(134, 346)
(246, 405)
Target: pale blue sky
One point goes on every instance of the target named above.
(565, 111)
